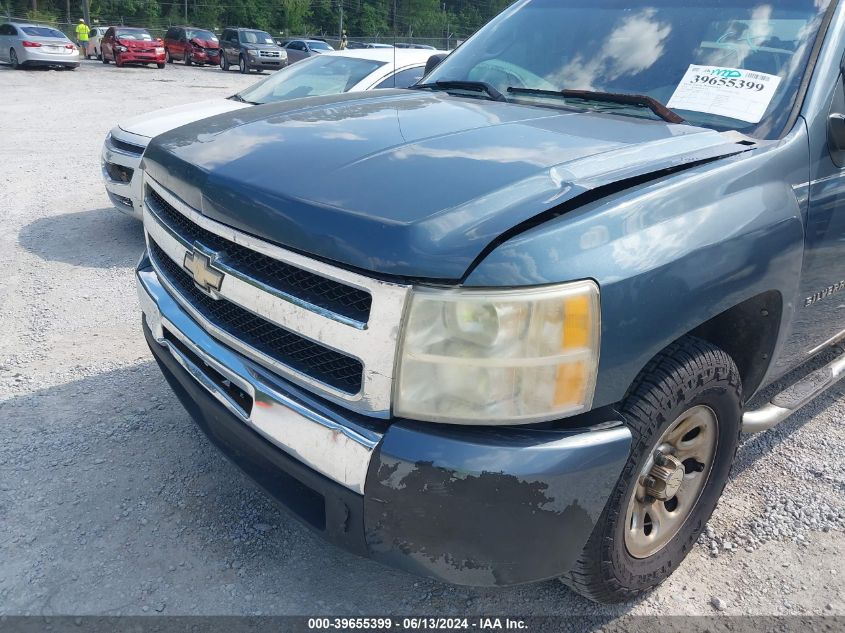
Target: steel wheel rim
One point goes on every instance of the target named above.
(13, 58)
(651, 524)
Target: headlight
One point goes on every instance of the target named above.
(159, 50)
(252, 52)
(121, 49)
(499, 357)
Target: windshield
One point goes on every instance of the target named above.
(256, 37)
(199, 34)
(42, 31)
(313, 77)
(724, 64)
(320, 46)
(134, 35)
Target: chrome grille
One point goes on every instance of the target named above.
(328, 366)
(269, 53)
(350, 302)
(126, 148)
(325, 328)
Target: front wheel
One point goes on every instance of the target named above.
(224, 63)
(167, 56)
(13, 59)
(160, 66)
(104, 58)
(684, 414)
(243, 66)
(188, 60)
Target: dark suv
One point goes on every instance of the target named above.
(250, 49)
(191, 45)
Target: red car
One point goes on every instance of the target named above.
(191, 45)
(127, 45)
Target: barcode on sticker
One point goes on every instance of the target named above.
(757, 76)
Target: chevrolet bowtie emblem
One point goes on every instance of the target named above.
(201, 266)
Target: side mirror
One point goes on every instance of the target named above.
(836, 132)
(434, 61)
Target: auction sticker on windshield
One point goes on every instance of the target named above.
(730, 92)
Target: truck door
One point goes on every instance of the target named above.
(820, 313)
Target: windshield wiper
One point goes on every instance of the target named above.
(642, 101)
(237, 97)
(472, 86)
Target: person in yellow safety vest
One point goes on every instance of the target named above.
(82, 31)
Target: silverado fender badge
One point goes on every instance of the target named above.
(201, 266)
(824, 294)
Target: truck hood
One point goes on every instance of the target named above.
(154, 123)
(407, 183)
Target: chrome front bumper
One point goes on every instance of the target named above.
(338, 450)
(126, 197)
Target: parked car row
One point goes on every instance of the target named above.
(243, 48)
(333, 73)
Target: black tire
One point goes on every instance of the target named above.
(688, 373)
(98, 54)
(188, 60)
(103, 57)
(167, 56)
(243, 65)
(224, 63)
(160, 66)
(13, 59)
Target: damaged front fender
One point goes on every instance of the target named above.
(489, 506)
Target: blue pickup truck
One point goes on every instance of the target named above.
(505, 326)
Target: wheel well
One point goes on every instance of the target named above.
(747, 332)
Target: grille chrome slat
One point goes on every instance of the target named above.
(336, 347)
(307, 357)
(292, 282)
(125, 147)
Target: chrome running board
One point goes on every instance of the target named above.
(793, 397)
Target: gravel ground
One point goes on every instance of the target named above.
(111, 502)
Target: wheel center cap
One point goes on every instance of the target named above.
(665, 477)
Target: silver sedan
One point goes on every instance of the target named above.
(36, 45)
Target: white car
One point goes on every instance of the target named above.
(94, 39)
(330, 73)
(23, 45)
